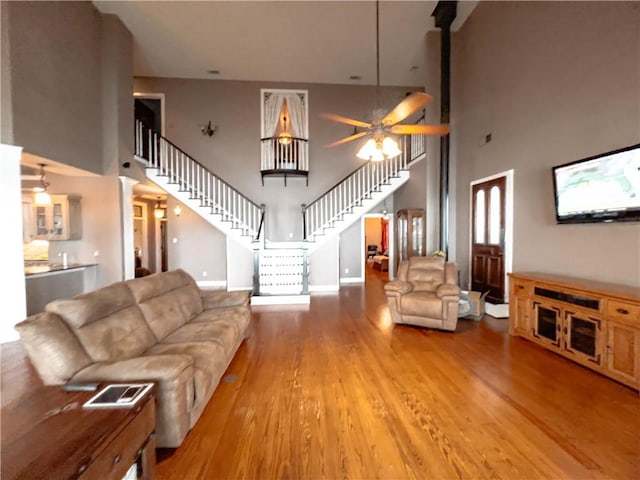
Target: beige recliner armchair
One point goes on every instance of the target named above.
(425, 293)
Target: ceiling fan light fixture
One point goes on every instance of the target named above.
(390, 147)
(379, 148)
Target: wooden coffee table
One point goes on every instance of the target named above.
(47, 434)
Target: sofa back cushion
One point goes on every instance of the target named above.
(108, 323)
(167, 300)
(425, 273)
(52, 347)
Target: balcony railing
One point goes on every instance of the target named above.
(201, 184)
(278, 159)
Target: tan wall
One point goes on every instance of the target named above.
(552, 82)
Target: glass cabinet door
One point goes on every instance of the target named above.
(410, 236)
(416, 236)
(546, 321)
(57, 219)
(582, 334)
(41, 221)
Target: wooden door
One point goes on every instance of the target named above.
(487, 249)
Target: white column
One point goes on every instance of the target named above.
(126, 214)
(12, 284)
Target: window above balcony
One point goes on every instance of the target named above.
(284, 133)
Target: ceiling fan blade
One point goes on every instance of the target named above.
(355, 136)
(420, 129)
(345, 120)
(406, 107)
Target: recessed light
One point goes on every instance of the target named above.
(355, 77)
(213, 72)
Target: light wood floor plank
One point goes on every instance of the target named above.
(336, 391)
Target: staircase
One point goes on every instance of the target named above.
(189, 181)
(280, 269)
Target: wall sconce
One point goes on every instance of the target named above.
(41, 195)
(177, 210)
(209, 130)
(158, 211)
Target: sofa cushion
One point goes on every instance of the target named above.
(422, 304)
(167, 300)
(107, 322)
(52, 348)
(222, 333)
(238, 316)
(217, 299)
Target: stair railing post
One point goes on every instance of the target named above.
(256, 270)
(304, 221)
(305, 271)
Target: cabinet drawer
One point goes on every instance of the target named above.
(123, 451)
(522, 288)
(623, 311)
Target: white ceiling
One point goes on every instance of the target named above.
(294, 41)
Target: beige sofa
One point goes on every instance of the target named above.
(162, 328)
(425, 293)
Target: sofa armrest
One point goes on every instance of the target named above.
(397, 288)
(159, 368)
(215, 299)
(447, 290)
(174, 375)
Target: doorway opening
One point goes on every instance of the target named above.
(491, 236)
(376, 249)
(149, 109)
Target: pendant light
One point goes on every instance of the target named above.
(158, 211)
(41, 196)
(285, 137)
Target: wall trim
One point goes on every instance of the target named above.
(324, 288)
(348, 280)
(212, 283)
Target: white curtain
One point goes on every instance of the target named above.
(297, 114)
(272, 108)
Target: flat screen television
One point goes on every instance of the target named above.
(602, 188)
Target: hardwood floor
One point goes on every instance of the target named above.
(335, 391)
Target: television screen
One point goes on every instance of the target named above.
(602, 188)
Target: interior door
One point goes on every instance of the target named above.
(487, 248)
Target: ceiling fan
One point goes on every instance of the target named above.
(381, 125)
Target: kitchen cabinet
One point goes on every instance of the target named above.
(61, 220)
(592, 323)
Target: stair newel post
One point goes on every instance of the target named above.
(305, 271)
(304, 221)
(256, 270)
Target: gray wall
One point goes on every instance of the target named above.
(55, 50)
(234, 151)
(553, 82)
(200, 247)
(71, 81)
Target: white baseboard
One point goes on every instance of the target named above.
(347, 280)
(281, 300)
(212, 283)
(324, 288)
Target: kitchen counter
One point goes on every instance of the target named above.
(42, 269)
(45, 282)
